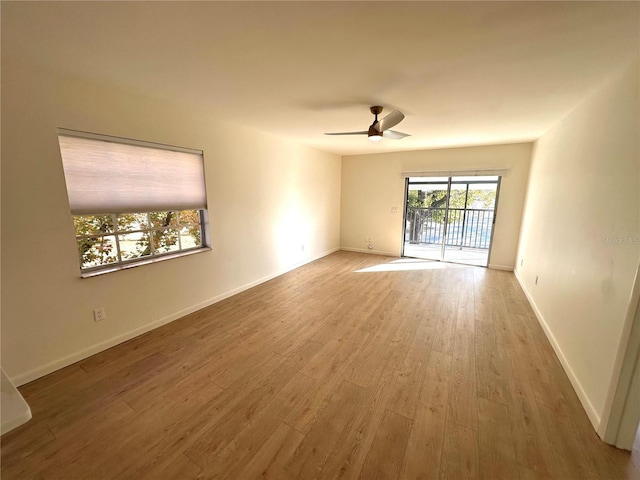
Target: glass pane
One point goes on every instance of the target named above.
(163, 219)
(435, 198)
(482, 196)
(166, 240)
(428, 196)
(132, 221)
(97, 251)
(189, 216)
(93, 224)
(190, 237)
(134, 245)
(458, 196)
(469, 230)
(425, 227)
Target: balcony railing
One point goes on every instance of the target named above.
(469, 227)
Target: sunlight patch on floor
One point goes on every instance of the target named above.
(406, 264)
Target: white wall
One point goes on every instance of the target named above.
(266, 198)
(580, 233)
(373, 184)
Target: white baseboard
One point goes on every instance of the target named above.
(50, 367)
(506, 268)
(582, 396)
(372, 252)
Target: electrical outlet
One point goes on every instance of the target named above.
(99, 314)
(303, 247)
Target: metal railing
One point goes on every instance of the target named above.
(469, 227)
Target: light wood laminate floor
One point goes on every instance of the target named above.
(353, 366)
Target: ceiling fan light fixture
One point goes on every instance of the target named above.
(374, 135)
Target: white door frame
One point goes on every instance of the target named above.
(621, 417)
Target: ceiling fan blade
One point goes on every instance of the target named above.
(394, 135)
(389, 121)
(364, 132)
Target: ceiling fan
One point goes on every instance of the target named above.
(380, 128)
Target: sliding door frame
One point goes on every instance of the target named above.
(449, 181)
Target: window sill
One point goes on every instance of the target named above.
(139, 263)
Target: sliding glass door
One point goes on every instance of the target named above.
(426, 208)
(450, 218)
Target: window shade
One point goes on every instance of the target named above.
(456, 173)
(104, 176)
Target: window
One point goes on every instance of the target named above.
(123, 238)
(132, 202)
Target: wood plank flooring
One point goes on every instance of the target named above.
(352, 367)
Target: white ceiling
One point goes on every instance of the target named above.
(463, 73)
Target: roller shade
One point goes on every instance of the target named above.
(458, 173)
(112, 175)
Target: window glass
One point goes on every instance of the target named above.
(97, 251)
(135, 236)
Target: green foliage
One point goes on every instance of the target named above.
(96, 235)
(93, 224)
(413, 200)
(481, 199)
(190, 221)
(436, 201)
(95, 250)
(132, 221)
